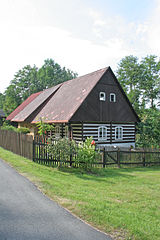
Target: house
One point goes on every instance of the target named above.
(91, 105)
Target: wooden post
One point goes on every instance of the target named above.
(33, 150)
(70, 137)
(118, 158)
(104, 158)
(144, 159)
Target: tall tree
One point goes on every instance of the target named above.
(150, 79)
(12, 100)
(51, 74)
(29, 80)
(128, 74)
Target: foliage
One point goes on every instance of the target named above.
(140, 80)
(9, 128)
(62, 148)
(149, 129)
(43, 127)
(29, 80)
(86, 155)
(23, 130)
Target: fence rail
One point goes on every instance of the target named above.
(106, 158)
(36, 150)
(18, 143)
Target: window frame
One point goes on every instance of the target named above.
(104, 133)
(102, 98)
(120, 133)
(57, 132)
(66, 131)
(114, 96)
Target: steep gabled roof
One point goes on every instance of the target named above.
(36, 103)
(68, 98)
(23, 105)
(61, 102)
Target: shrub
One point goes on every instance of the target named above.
(61, 148)
(87, 155)
(23, 130)
(9, 128)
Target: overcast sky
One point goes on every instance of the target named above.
(82, 35)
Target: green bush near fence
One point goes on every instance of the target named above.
(23, 130)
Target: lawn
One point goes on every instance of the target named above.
(122, 202)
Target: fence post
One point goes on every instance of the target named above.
(33, 150)
(144, 159)
(118, 158)
(104, 158)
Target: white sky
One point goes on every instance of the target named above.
(83, 35)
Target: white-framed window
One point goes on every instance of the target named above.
(102, 133)
(66, 131)
(118, 133)
(57, 131)
(102, 96)
(112, 97)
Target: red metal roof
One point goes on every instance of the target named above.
(68, 98)
(36, 103)
(23, 105)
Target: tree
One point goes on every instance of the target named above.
(150, 79)
(128, 74)
(29, 80)
(12, 100)
(140, 80)
(149, 129)
(51, 74)
(1, 100)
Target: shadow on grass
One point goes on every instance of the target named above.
(102, 174)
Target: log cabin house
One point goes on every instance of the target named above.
(91, 105)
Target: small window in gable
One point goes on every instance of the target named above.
(102, 133)
(102, 96)
(118, 133)
(112, 97)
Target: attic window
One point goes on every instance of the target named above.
(112, 97)
(102, 96)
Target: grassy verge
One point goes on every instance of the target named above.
(122, 202)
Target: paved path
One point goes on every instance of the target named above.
(26, 214)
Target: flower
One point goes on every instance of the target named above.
(93, 143)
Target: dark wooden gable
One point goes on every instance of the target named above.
(92, 109)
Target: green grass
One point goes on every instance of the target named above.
(122, 202)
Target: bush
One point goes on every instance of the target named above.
(23, 130)
(61, 148)
(87, 155)
(9, 128)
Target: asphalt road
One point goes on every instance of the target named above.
(26, 214)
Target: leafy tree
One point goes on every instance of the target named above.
(128, 74)
(12, 100)
(1, 100)
(51, 74)
(149, 129)
(150, 79)
(29, 80)
(140, 80)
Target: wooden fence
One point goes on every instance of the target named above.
(106, 158)
(18, 143)
(36, 150)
